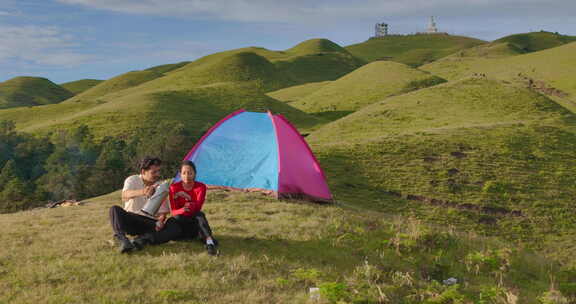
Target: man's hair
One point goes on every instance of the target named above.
(189, 163)
(148, 162)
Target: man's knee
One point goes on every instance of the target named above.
(173, 226)
(172, 221)
(114, 210)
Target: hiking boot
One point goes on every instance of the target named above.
(124, 243)
(141, 241)
(212, 249)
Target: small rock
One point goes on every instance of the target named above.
(314, 293)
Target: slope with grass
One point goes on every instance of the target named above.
(116, 84)
(297, 92)
(368, 84)
(488, 50)
(271, 252)
(553, 66)
(119, 83)
(413, 50)
(196, 109)
(167, 68)
(477, 153)
(79, 86)
(537, 41)
(310, 61)
(30, 91)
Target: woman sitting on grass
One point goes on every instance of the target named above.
(186, 200)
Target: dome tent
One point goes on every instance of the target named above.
(263, 152)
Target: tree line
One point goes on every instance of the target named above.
(73, 164)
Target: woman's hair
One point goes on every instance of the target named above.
(148, 162)
(188, 163)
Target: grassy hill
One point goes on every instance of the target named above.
(30, 91)
(273, 253)
(413, 50)
(196, 94)
(196, 109)
(537, 41)
(477, 153)
(166, 68)
(488, 50)
(364, 86)
(551, 65)
(310, 61)
(116, 84)
(79, 86)
(548, 72)
(295, 93)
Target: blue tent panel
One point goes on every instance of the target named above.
(242, 153)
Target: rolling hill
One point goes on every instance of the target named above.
(368, 84)
(118, 83)
(413, 50)
(79, 86)
(550, 65)
(295, 93)
(30, 91)
(310, 61)
(488, 50)
(197, 93)
(537, 41)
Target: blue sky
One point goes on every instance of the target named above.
(65, 40)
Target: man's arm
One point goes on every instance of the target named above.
(130, 194)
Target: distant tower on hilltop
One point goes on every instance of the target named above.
(432, 29)
(381, 30)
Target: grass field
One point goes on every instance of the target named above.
(271, 251)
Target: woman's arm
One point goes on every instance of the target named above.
(200, 197)
(174, 206)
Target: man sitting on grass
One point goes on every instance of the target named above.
(131, 220)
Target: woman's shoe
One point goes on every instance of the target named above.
(141, 241)
(212, 249)
(124, 243)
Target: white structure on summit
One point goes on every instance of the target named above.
(381, 30)
(432, 29)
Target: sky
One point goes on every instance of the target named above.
(67, 40)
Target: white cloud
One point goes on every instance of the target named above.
(38, 45)
(326, 10)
